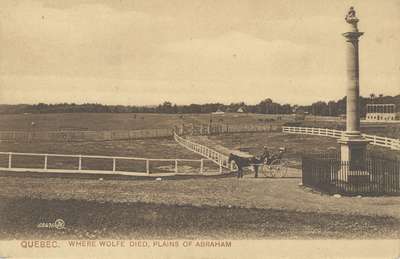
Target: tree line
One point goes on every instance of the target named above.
(266, 106)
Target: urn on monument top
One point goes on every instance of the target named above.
(352, 19)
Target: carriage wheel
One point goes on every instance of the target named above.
(274, 168)
(282, 169)
(278, 171)
(267, 170)
(264, 170)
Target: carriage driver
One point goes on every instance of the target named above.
(268, 157)
(265, 155)
(280, 153)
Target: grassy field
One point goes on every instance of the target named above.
(192, 208)
(87, 121)
(117, 121)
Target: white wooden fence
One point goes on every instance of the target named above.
(383, 141)
(80, 169)
(216, 157)
(375, 140)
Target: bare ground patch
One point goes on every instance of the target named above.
(263, 208)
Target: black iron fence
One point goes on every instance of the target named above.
(374, 176)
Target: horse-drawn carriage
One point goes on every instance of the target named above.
(269, 164)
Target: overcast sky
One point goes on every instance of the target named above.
(192, 51)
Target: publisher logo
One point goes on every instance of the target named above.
(58, 224)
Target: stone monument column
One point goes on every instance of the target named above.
(352, 69)
(352, 144)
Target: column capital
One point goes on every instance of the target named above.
(352, 35)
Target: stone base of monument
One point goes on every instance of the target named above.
(353, 149)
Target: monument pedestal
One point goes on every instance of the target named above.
(353, 149)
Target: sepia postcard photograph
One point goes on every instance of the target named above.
(199, 129)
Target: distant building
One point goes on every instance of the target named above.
(381, 112)
(218, 112)
(241, 110)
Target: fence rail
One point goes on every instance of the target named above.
(375, 140)
(79, 165)
(220, 159)
(219, 128)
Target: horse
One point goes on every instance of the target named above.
(246, 161)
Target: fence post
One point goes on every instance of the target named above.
(220, 167)
(114, 164)
(9, 159)
(45, 162)
(147, 166)
(176, 166)
(80, 163)
(201, 165)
